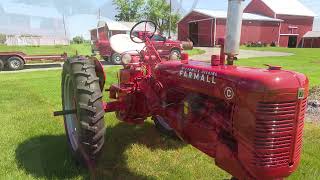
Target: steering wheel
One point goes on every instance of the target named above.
(142, 30)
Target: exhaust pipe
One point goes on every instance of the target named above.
(233, 30)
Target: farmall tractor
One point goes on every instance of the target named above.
(249, 120)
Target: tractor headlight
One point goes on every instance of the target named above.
(126, 58)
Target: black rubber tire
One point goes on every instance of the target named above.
(80, 86)
(1, 65)
(175, 52)
(106, 58)
(116, 59)
(15, 63)
(162, 128)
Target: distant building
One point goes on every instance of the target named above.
(311, 39)
(32, 21)
(283, 22)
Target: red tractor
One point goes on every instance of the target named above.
(249, 120)
(166, 47)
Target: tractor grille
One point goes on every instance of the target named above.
(274, 136)
(300, 124)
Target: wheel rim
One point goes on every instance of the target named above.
(15, 63)
(163, 123)
(117, 59)
(70, 119)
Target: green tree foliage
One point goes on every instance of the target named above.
(78, 40)
(159, 12)
(129, 10)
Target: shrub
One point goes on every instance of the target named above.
(273, 44)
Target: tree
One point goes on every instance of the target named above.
(159, 12)
(78, 40)
(129, 10)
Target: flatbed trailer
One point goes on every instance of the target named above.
(16, 60)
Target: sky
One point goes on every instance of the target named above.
(204, 4)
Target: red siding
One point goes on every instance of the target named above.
(254, 31)
(258, 7)
(206, 31)
(283, 41)
(312, 43)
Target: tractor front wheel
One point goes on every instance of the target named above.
(81, 93)
(116, 58)
(163, 127)
(175, 54)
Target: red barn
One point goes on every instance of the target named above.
(297, 19)
(204, 27)
(283, 22)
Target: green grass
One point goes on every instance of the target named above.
(195, 51)
(82, 49)
(306, 61)
(33, 144)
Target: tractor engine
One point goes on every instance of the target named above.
(250, 120)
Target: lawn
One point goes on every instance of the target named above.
(306, 61)
(33, 144)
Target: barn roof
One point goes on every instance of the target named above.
(223, 15)
(31, 10)
(288, 7)
(312, 34)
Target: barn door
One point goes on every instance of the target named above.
(293, 40)
(194, 33)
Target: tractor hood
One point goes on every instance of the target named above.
(204, 78)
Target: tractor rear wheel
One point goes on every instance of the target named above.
(1, 65)
(82, 94)
(15, 63)
(163, 127)
(116, 58)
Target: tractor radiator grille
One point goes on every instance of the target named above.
(274, 136)
(300, 124)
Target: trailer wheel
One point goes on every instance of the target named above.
(1, 64)
(163, 127)
(116, 58)
(85, 130)
(175, 54)
(15, 63)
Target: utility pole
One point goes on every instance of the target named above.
(64, 26)
(170, 20)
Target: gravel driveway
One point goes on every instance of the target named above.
(244, 54)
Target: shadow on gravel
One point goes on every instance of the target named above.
(48, 156)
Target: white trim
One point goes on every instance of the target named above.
(200, 20)
(279, 34)
(289, 34)
(215, 32)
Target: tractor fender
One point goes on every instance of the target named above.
(100, 72)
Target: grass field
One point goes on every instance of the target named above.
(306, 61)
(33, 144)
(83, 49)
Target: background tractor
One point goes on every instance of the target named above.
(249, 120)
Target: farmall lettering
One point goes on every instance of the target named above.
(199, 75)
